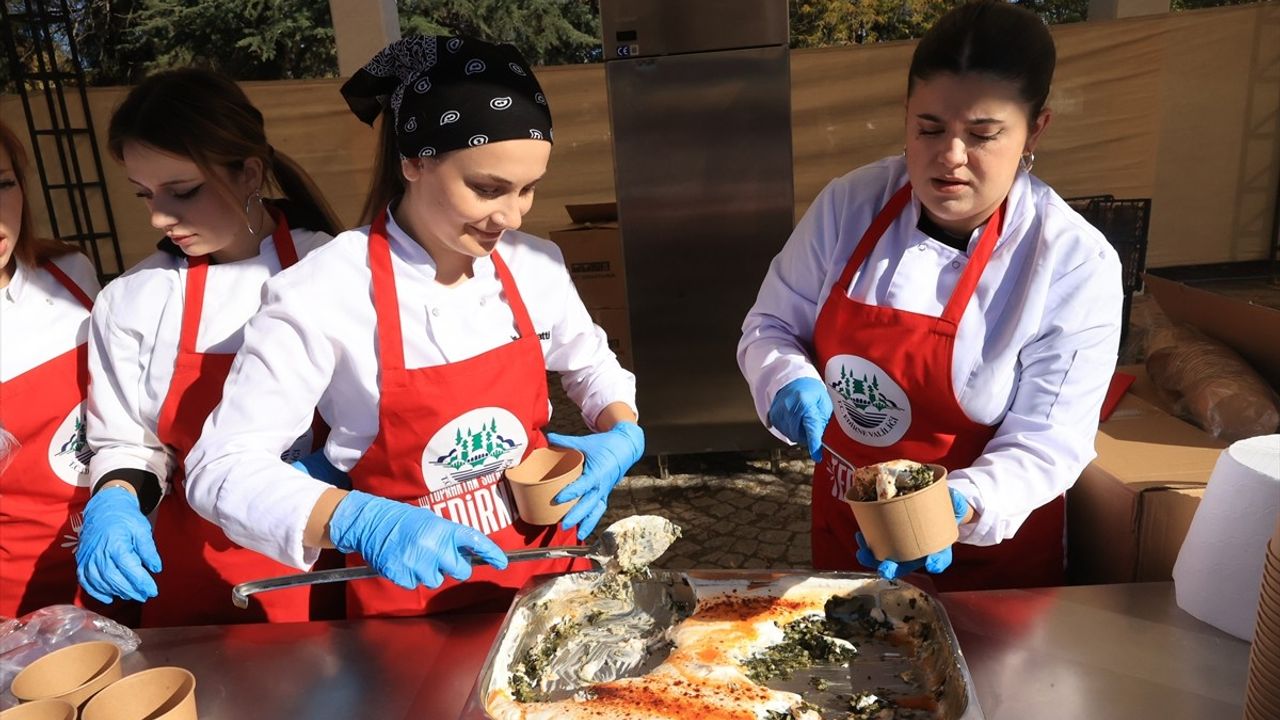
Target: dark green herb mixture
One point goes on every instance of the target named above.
(528, 670)
(806, 642)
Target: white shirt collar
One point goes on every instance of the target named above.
(17, 283)
(413, 253)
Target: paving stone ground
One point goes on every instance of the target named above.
(733, 511)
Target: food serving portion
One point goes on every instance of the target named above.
(725, 645)
(886, 480)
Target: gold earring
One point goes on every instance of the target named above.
(248, 202)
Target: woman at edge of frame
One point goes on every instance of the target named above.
(946, 306)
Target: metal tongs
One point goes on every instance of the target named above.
(630, 542)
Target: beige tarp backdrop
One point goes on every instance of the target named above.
(1181, 108)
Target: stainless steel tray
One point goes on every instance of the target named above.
(936, 669)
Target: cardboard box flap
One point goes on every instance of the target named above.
(593, 213)
(1156, 451)
(1248, 328)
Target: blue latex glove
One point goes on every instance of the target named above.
(318, 466)
(933, 562)
(116, 548)
(407, 544)
(609, 455)
(801, 411)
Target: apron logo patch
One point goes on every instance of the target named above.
(463, 464)
(69, 452)
(871, 408)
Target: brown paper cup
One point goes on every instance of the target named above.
(163, 693)
(908, 527)
(73, 673)
(536, 480)
(41, 710)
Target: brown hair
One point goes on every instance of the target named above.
(205, 116)
(387, 182)
(28, 249)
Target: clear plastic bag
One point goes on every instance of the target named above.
(28, 638)
(9, 447)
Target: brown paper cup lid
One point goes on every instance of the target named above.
(73, 673)
(908, 527)
(163, 693)
(41, 710)
(537, 480)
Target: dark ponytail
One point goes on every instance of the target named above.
(387, 182)
(994, 38)
(205, 117)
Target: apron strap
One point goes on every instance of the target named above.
(283, 238)
(883, 220)
(523, 323)
(66, 282)
(198, 273)
(193, 303)
(973, 268)
(389, 343)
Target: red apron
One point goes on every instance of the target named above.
(44, 490)
(200, 564)
(889, 375)
(445, 434)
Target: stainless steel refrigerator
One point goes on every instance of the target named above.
(700, 105)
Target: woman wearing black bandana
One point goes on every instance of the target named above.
(427, 336)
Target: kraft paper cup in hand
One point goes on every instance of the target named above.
(41, 710)
(908, 527)
(163, 693)
(73, 673)
(536, 480)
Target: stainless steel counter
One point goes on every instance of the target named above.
(1097, 652)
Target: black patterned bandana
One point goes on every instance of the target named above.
(448, 93)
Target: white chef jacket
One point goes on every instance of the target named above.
(1034, 352)
(133, 346)
(39, 318)
(312, 345)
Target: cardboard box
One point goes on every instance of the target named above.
(1130, 510)
(592, 248)
(1248, 328)
(616, 323)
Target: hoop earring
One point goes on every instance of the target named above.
(249, 202)
(1027, 161)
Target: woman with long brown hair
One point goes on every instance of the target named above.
(166, 332)
(46, 292)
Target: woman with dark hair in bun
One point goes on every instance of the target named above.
(427, 337)
(163, 337)
(946, 306)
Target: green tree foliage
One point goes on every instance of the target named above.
(548, 32)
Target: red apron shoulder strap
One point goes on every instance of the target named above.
(283, 239)
(878, 226)
(973, 268)
(193, 302)
(66, 282)
(523, 322)
(386, 303)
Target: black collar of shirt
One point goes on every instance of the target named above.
(930, 228)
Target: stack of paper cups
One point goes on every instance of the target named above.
(1262, 693)
(1219, 569)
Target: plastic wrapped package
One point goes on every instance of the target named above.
(9, 447)
(1211, 385)
(28, 638)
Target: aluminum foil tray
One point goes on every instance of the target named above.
(917, 664)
